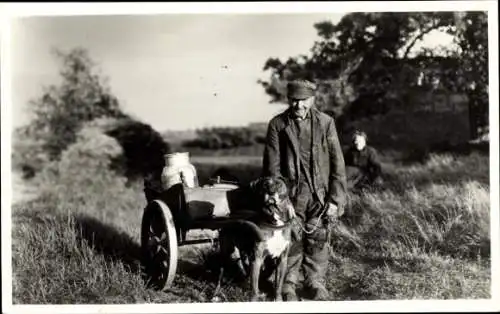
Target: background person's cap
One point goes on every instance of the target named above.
(300, 89)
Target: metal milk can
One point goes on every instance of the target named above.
(178, 169)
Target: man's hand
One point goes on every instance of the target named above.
(332, 212)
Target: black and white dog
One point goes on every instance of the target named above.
(264, 242)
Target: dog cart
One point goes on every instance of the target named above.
(180, 206)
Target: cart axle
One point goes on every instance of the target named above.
(198, 241)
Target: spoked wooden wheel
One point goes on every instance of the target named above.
(159, 245)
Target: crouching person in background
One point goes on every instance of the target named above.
(363, 167)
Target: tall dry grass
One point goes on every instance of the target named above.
(78, 241)
(424, 234)
(437, 218)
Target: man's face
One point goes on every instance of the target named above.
(300, 107)
(359, 142)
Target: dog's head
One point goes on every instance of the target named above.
(274, 200)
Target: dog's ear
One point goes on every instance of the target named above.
(256, 185)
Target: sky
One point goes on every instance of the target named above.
(175, 72)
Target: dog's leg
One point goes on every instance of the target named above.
(280, 275)
(219, 281)
(256, 266)
(225, 248)
(239, 256)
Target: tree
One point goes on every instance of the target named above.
(60, 112)
(471, 33)
(367, 62)
(361, 62)
(83, 98)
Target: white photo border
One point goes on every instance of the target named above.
(11, 11)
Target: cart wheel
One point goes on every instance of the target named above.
(159, 245)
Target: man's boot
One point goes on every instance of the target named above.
(289, 292)
(319, 291)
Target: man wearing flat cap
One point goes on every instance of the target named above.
(302, 145)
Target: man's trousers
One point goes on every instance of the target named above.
(309, 249)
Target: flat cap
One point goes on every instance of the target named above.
(300, 89)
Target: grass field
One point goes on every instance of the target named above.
(424, 235)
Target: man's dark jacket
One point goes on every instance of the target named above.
(281, 155)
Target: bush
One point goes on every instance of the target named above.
(143, 147)
(225, 138)
(82, 179)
